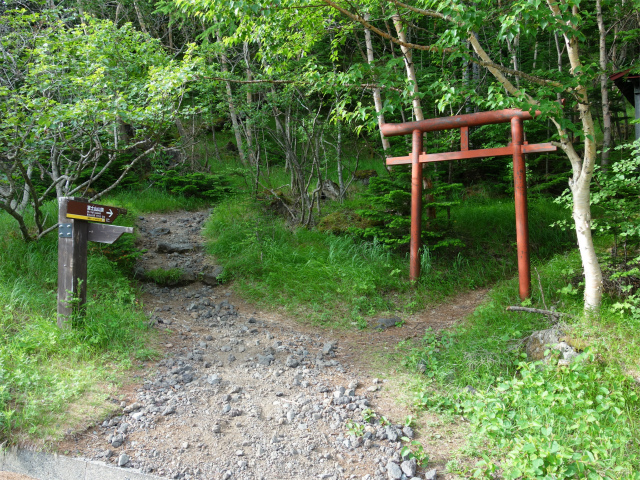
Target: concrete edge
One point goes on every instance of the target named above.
(47, 466)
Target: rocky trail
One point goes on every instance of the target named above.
(245, 394)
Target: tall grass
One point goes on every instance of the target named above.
(150, 199)
(324, 275)
(314, 274)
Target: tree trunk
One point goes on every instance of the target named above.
(411, 72)
(606, 110)
(170, 29)
(248, 126)
(580, 183)
(143, 26)
(232, 109)
(216, 152)
(377, 97)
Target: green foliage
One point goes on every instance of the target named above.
(123, 253)
(416, 450)
(197, 185)
(302, 269)
(531, 420)
(617, 197)
(354, 428)
(549, 422)
(368, 415)
(628, 286)
(89, 103)
(389, 211)
(313, 273)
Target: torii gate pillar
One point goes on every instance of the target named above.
(517, 148)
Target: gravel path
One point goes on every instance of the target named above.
(238, 395)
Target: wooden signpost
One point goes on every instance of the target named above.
(74, 231)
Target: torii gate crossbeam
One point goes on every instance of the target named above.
(517, 148)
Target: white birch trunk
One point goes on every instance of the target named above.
(232, 109)
(580, 183)
(377, 97)
(604, 92)
(411, 72)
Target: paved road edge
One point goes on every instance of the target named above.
(46, 466)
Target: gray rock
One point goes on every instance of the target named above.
(105, 454)
(328, 348)
(392, 433)
(210, 277)
(540, 341)
(157, 232)
(265, 359)
(132, 408)
(123, 459)
(408, 432)
(174, 247)
(383, 323)
(137, 416)
(551, 339)
(431, 474)
(330, 190)
(214, 379)
(409, 467)
(393, 471)
(117, 441)
(292, 361)
(123, 428)
(169, 410)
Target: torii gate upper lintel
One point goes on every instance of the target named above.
(518, 148)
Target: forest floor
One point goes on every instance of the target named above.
(243, 393)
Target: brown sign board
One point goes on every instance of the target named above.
(93, 212)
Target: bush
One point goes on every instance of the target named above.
(548, 422)
(389, 211)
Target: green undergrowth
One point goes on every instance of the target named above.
(154, 200)
(340, 279)
(530, 420)
(45, 371)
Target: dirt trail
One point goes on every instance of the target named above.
(246, 394)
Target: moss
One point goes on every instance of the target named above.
(165, 277)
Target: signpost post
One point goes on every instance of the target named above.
(74, 231)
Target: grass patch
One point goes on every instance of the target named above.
(341, 280)
(44, 371)
(153, 200)
(164, 277)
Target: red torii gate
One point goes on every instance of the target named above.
(517, 148)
